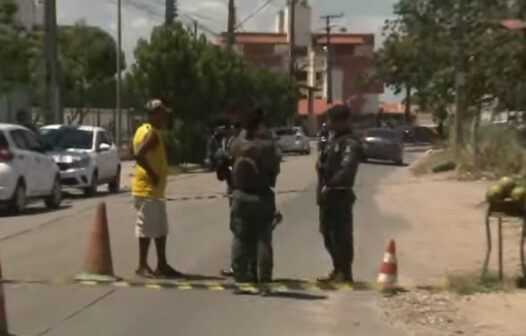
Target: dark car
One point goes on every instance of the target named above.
(383, 144)
(419, 135)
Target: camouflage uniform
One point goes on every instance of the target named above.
(337, 168)
(253, 208)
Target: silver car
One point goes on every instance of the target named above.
(383, 144)
(293, 140)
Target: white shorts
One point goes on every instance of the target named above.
(152, 219)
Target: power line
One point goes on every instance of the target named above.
(156, 13)
(200, 24)
(253, 14)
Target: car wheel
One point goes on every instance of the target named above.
(19, 200)
(53, 201)
(115, 185)
(399, 162)
(92, 189)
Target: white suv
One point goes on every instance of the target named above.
(26, 172)
(87, 157)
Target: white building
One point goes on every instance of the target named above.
(31, 13)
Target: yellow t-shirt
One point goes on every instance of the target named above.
(142, 186)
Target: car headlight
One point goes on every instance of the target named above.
(82, 163)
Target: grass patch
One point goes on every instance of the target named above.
(472, 283)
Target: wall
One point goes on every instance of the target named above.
(371, 104)
(30, 12)
(11, 103)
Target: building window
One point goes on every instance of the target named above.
(301, 76)
(319, 76)
(301, 51)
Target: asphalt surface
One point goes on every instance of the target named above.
(52, 245)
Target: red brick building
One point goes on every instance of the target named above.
(351, 60)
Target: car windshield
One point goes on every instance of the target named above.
(381, 134)
(286, 131)
(67, 138)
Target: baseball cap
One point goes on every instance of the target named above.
(154, 105)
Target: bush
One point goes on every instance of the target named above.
(501, 150)
(186, 142)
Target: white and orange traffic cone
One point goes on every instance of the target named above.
(388, 277)
(3, 313)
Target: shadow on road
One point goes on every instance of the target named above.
(384, 163)
(72, 195)
(198, 277)
(297, 296)
(33, 211)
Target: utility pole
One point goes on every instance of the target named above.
(460, 81)
(170, 11)
(196, 29)
(118, 111)
(328, 19)
(54, 111)
(231, 25)
(292, 39)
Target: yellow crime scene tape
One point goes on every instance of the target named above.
(278, 286)
(221, 196)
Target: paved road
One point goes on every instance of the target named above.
(44, 244)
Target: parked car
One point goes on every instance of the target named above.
(383, 144)
(418, 135)
(26, 172)
(87, 157)
(292, 140)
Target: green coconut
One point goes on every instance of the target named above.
(507, 184)
(519, 195)
(495, 193)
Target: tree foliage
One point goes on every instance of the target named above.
(88, 58)
(16, 48)
(430, 41)
(198, 80)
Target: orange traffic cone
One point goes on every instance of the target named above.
(388, 277)
(98, 264)
(3, 314)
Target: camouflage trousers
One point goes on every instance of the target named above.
(251, 224)
(336, 227)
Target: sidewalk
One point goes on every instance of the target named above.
(445, 234)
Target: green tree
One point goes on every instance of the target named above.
(431, 40)
(88, 57)
(17, 48)
(198, 80)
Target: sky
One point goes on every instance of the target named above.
(139, 16)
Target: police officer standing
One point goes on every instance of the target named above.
(224, 139)
(337, 168)
(256, 167)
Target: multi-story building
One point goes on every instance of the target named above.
(351, 59)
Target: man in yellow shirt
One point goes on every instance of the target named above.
(148, 191)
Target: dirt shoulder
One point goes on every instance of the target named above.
(445, 234)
